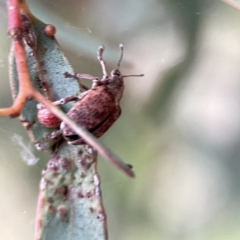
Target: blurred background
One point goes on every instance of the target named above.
(179, 126)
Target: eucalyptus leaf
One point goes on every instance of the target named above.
(47, 65)
(70, 204)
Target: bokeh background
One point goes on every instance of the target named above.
(179, 127)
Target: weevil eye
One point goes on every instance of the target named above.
(116, 72)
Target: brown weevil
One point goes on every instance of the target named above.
(97, 108)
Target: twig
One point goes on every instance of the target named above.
(233, 4)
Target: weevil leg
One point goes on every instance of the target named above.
(65, 100)
(95, 80)
(85, 88)
(61, 101)
(86, 76)
(78, 76)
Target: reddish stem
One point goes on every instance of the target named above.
(233, 4)
(14, 19)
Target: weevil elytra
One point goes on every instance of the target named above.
(97, 108)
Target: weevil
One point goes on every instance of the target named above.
(97, 108)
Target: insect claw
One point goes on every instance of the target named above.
(40, 106)
(69, 75)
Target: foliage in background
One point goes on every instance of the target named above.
(180, 124)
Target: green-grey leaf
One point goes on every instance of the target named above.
(70, 206)
(47, 65)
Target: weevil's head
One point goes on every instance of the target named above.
(116, 83)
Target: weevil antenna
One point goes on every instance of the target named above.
(121, 57)
(100, 58)
(134, 75)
